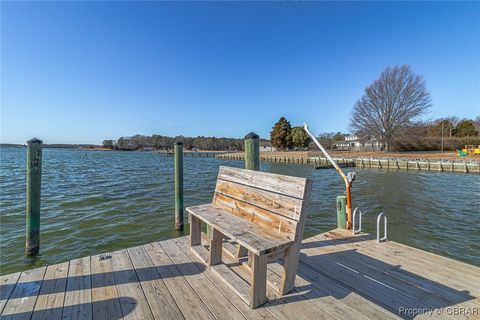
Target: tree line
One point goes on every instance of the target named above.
(392, 109)
(284, 137)
(427, 135)
(159, 142)
(414, 136)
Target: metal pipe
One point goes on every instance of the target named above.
(335, 165)
(348, 179)
(354, 229)
(382, 214)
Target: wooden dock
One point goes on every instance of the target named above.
(193, 154)
(340, 277)
(388, 164)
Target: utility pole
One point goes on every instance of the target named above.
(442, 136)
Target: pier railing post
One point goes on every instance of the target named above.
(342, 212)
(252, 162)
(252, 151)
(178, 164)
(34, 185)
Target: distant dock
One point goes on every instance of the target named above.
(194, 154)
(389, 164)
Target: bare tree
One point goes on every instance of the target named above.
(390, 103)
(477, 123)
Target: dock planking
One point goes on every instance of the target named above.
(340, 276)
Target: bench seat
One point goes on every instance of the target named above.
(245, 233)
(263, 214)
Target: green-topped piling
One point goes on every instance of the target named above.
(342, 212)
(178, 164)
(252, 151)
(34, 185)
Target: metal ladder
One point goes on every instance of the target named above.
(356, 230)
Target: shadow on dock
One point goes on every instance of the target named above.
(97, 280)
(339, 277)
(110, 309)
(339, 274)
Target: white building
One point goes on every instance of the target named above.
(267, 146)
(355, 143)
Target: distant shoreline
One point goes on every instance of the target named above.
(83, 147)
(56, 146)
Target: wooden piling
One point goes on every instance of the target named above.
(252, 151)
(178, 164)
(34, 185)
(341, 212)
(252, 162)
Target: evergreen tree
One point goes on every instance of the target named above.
(280, 136)
(300, 138)
(466, 128)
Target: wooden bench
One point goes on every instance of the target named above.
(265, 214)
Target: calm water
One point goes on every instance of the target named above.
(95, 202)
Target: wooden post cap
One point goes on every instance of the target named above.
(252, 135)
(34, 141)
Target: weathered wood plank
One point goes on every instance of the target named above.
(341, 295)
(188, 301)
(280, 204)
(195, 230)
(22, 300)
(50, 301)
(293, 307)
(217, 303)
(247, 234)
(408, 255)
(287, 185)
(270, 222)
(259, 313)
(330, 294)
(372, 282)
(433, 260)
(383, 295)
(161, 302)
(425, 265)
(233, 281)
(215, 252)
(373, 269)
(290, 268)
(439, 286)
(258, 284)
(7, 284)
(78, 297)
(105, 299)
(380, 292)
(133, 303)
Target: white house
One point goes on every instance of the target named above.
(355, 143)
(267, 146)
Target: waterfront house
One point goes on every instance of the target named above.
(267, 146)
(356, 143)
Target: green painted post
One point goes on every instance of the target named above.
(178, 151)
(252, 162)
(34, 185)
(341, 212)
(252, 151)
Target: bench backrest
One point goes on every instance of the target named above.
(277, 203)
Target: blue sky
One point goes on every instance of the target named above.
(81, 72)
